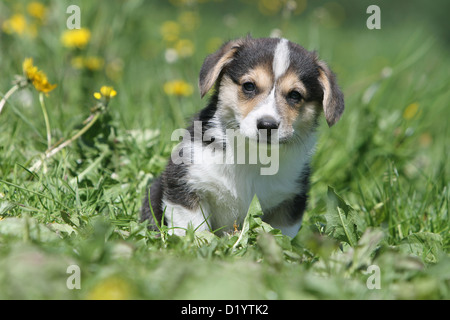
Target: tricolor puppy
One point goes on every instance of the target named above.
(269, 94)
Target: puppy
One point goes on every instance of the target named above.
(269, 94)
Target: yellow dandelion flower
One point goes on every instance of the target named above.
(16, 24)
(178, 88)
(37, 10)
(170, 31)
(94, 63)
(213, 44)
(36, 77)
(184, 48)
(269, 7)
(76, 38)
(190, 20)
(77, 62)
(113, 288)
(114, 69)
(105, 92)
(411, 111)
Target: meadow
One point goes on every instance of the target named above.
(86, 124)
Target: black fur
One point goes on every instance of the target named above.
(172, 183)
(295, 206)
(156, 202)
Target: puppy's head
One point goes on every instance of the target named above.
(271, 83)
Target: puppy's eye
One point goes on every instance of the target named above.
(294, 96)
(249, 87)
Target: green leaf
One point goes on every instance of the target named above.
(5, 206)
(343, 223)
(272, 252)
(426, 245)
(26, 228)
(251, 222)
(364, 250)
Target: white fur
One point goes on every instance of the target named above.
(226, 190)
(281, 58)
(178, 218)
(266, 108)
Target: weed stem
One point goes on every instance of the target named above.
(47, 122)
(7, 95)
(55, 149)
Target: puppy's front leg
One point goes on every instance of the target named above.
(178, 218)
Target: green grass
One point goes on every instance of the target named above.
(380, 188)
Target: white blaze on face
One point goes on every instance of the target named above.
(281, 59)
(268, 106)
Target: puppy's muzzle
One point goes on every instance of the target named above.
(268, 125)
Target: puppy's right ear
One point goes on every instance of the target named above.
(333, 98)
(215, 62)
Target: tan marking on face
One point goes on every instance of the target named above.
(263, 79)
(287, 83)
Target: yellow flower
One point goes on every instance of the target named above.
(113, 288)
(77, 62)
(106, 92)
(184, 48)
(178, 88)
(76, 38)
(411, 111)
(16, 24)
(213, 44)
(170, 31)
(92, 63)
(269, 7)
(37, 77)
(37, 10)
(190, 20)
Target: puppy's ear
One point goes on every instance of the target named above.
(333, 98)
(214, 63)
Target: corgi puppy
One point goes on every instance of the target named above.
(269, 94)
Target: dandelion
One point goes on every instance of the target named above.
(76, 38)
(170, 31)
(37, 10)
(411, 111)
(178, 88)
(36, 77)
(31, 74)
(92, 63)
(114, 69)
(184, 48)
(189, 20)
(104, 96)
(106, 92)
(113, 288)
(269, 7)
(171, 55)
(16, 24)
(213, 44)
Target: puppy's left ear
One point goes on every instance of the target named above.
(214, 63)
(333, 98)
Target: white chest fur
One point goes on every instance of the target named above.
(226, 189)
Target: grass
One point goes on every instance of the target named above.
(380, 188)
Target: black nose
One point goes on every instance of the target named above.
(267, 123)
